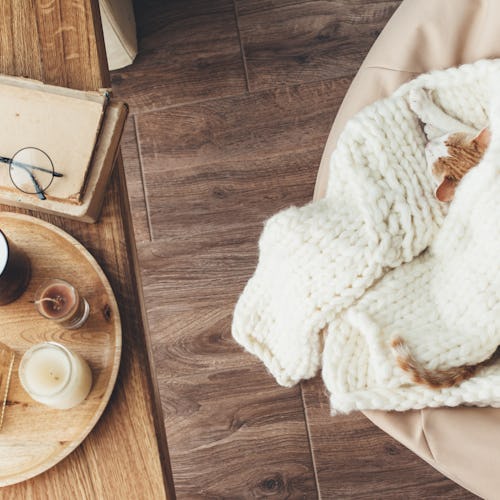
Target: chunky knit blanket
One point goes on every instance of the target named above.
(380, 257)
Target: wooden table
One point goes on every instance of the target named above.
(125, 456)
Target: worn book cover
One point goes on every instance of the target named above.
(63, 123)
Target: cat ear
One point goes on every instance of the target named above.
(446, 190)
(484, 137)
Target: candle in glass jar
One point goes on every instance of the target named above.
(60, 301)
(55, 376)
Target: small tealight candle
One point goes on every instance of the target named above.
(60, 301)
(55, 376)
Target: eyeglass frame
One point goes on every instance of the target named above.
(40, 192)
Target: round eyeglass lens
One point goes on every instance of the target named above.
(31, 170)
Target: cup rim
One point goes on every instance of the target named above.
(44, 285)
(4, 245)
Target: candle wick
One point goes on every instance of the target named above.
(57, 302)
(49, 299)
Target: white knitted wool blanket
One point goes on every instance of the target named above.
(379, 256)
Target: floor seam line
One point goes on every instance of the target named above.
(242, 50)
(313, 460)
(143, 179)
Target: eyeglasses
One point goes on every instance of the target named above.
(31, 171)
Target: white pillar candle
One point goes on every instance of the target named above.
(55, 376)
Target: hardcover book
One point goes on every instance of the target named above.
(58, 147)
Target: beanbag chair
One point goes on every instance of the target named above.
(425, 35)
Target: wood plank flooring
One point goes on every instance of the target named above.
(231, 105)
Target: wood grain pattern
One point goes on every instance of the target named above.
(216, 399)
(133, 167)
(213, 420)
(214, 170)
(294, 42)
(19, 47)
(188, 51)
(203, 169)
(7, 358)
(72, 51)
(35, 437)
(128, 441)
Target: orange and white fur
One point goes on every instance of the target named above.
(435, 379)
(451, 156)
(453, 150)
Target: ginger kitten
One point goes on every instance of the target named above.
(450, 157)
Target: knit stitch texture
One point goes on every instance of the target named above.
(337, 279)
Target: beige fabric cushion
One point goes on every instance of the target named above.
(423, 35)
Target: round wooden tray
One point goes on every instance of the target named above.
(34, 437)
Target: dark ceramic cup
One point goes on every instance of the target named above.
(15, 270)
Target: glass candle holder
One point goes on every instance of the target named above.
(60, 301)
(55, 376)
(15, 270)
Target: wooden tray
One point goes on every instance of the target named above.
(34, 437)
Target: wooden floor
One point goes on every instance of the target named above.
(231, 105)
